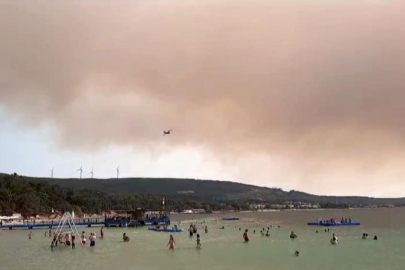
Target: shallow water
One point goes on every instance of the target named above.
(224, 249)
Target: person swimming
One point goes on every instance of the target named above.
(297, 253)
(293, 235)
(198, 241)
(267, 233)
(365, 236)
(334, 240)
(125, 238)
(375, 237)
(245, 236)
(171, 243)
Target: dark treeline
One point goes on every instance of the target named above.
(17, 195)
(29, 196)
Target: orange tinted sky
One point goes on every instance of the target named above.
(299, 94)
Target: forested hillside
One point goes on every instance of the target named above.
(39, 195)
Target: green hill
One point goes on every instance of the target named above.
(27, 194)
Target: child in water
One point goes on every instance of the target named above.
(171, 242)
(245, 236)
(198, 241)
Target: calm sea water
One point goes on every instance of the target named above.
(224, 249)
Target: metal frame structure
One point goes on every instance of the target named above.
(67, 220)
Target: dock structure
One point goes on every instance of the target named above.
(116, 218)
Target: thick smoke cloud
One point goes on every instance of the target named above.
(317, 86)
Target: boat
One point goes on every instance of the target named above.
(165, 230)
(231, 218)
(333, 224)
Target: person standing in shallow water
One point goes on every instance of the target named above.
(30, 235)
(198, 241)
(73, 241)
(171, 243)
(102, 232)
(245, 236)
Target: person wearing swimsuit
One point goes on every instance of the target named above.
(245, 236)
(83, 238)
(171, 242)
(198, 241)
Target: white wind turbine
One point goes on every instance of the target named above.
(92, 173)
(81, 171)
(118, 171)
(52, 172)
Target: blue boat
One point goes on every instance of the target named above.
(333, 224)
(165, 230)
(231, 218)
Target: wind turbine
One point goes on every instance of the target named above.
(118, 172)
(81, 171)
(52, 172)
(92, 173)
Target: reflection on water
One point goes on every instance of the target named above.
(225, 249)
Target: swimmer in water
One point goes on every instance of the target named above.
(92, 239)
(50, 233)
(67, 239)
(297, 253)
(73, 241)
(334, 240)
(375, 237)
(198, 241)
(83, 238)
(245, 236)
(171, 243)
(125, 238)
(267, 233)
(46, 233)
(30, 235)
(293, 235)
(206, 229)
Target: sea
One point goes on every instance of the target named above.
(224, 248)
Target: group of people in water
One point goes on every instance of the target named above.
(69, 238)
(365, 236)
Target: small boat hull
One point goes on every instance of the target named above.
(230, 219)
(166, 230)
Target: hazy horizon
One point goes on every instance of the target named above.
(305, 96)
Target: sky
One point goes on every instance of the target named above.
(305, 95)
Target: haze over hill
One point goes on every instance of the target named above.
(208, 191)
